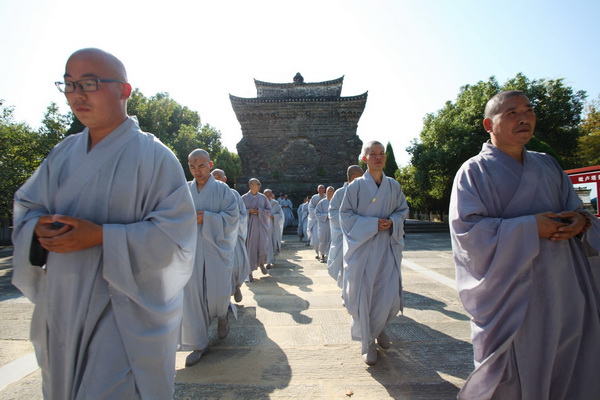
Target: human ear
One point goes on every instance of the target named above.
(487, 124)
(126, 90)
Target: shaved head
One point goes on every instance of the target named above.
(114, 66)
(219, 175)
(367, 147)
(199, 153)
(353, 172)
(493, 105)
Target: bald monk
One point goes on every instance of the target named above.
(275, 228)
(372, 218)
(259, 212)
(104, 236)
(322, 215)
(334, 259)
(312, 227)
(241, 263)
(207, 294)
(525, 254)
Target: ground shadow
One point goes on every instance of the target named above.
(7, 289)
(245, 365)
(270, 296)
(440, 361)
(420, 302)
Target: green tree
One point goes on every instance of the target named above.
(455, 133)
(231, 164)
(589, 142)
(54, 127)
(391, 166)
(20, 155)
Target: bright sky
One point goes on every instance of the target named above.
(410, 55)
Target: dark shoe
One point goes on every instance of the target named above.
(194, 357)
(250, 278)
(223, 328)
(263, 269)
(237, 296)
(370, 357)
(269, 266)
(383, 340)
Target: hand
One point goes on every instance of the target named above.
(546, 225)
(384, 224)
(200, 217)
(272, 216)
(75, 234)
(254, 210)
(47, 227)
(575, 224)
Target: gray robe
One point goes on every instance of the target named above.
(303, 221)
(288, 211)
(322, 216)
(535, 318)
(258, 228)
(312, 227)
(106, 318)
(373, 284)
(275, 231)
(208, 292)
(241, 263)
(335, 256)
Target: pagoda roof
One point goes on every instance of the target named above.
(236, 99)
(333, 82)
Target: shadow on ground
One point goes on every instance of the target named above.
(245, 365)
(420, 351)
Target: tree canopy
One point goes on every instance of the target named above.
(589, 142)
(22, 149)
(455, 133)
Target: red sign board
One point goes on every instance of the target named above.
(585, 180)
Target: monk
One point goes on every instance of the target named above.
(259, 212)
(207, 294)
(104, 240)
(334, 259)
(322, 215)
(372, 218)
(241, 263)
(312, 227)
(523, 250)
(275, 228)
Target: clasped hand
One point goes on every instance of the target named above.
(384, 224)
(570, 224)
(62, 234)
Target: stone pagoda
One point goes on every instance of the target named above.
(298, 135)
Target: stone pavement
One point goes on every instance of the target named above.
(292, 336)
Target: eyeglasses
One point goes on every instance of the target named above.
(86, 85)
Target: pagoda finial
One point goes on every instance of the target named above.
(298, 79)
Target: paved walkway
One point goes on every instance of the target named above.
(292, 337)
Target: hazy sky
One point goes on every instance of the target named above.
(410, 55)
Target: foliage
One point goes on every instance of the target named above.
(455, 133)
(231, 164)
(589, 142)
(22, 150)
(391, 166)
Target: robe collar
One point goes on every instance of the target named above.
(85, 164)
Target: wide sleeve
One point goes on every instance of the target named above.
(150, 261)
(399, 213)
(357, 229)
(321, 212)
(494, 258)
(32, 200)
(219, 230)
